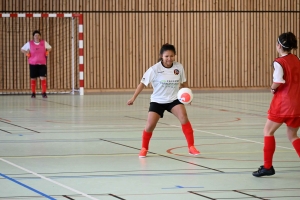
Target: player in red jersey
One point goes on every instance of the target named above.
(285, 105)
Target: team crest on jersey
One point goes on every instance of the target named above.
(176, 71)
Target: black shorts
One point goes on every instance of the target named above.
(38, 71)
(160, 108)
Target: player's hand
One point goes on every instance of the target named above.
(273, 91)
(28, 55)
(130, 102)
(46, 53)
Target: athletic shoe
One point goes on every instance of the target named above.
(262, 171)
(33, 95)
(193, 151)
(44, 95)
(143, 153)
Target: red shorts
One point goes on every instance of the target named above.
(293, 122)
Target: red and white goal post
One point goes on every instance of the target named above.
(65, 63)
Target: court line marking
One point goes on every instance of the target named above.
(28, 187)
(116, 196)
(129, 154)
(67, 197)
(226, 136)
(19, 126)
(254, 196)
(236, 138)
(201, 195)
(48, 179)
(191, 163)
(5, 131)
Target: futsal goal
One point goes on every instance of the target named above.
(64, 32)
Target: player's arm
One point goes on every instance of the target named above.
(274, 87)
(277, 77)
(138, 90)
(147, 78)
(48, 48)
(183, 82)
(183, 85)
(26, 49)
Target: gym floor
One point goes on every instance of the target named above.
(86, 147)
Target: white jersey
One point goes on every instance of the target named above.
(278, 73)
(26, 46)
(165, 81)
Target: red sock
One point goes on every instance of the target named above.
(269, 149)
(189, 133)
(146, 139)
(296, 145)
(32, 83)
(44, 85)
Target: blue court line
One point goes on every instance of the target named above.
(30, 188)
(181, 187)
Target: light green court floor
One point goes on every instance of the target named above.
(86, 147)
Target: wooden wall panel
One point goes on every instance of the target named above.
(222, 44)
(148, 5)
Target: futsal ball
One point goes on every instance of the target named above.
(185, 95)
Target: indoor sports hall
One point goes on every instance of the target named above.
(83, 141)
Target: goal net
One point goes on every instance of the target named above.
(63, 63)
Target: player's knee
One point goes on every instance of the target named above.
(149, 128)
(183, 118)
(268, 132)
(292, 136)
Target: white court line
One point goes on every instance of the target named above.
(233, 137)
(48, 179)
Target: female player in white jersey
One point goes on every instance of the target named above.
(37, 51)
(166, 77)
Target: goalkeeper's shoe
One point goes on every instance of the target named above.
(44, 95)
(33, 95)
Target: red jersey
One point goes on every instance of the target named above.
(286, 100)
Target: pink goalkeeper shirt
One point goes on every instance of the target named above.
(37, 53)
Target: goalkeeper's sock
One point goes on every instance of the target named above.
(44, 85)
(33, 84)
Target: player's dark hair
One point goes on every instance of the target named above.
(288, 41)
(166, 47)
(35, 32)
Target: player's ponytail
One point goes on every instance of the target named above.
(288, 41)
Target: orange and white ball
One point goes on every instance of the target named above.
(185, 95)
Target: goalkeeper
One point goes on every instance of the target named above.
(37, 51)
